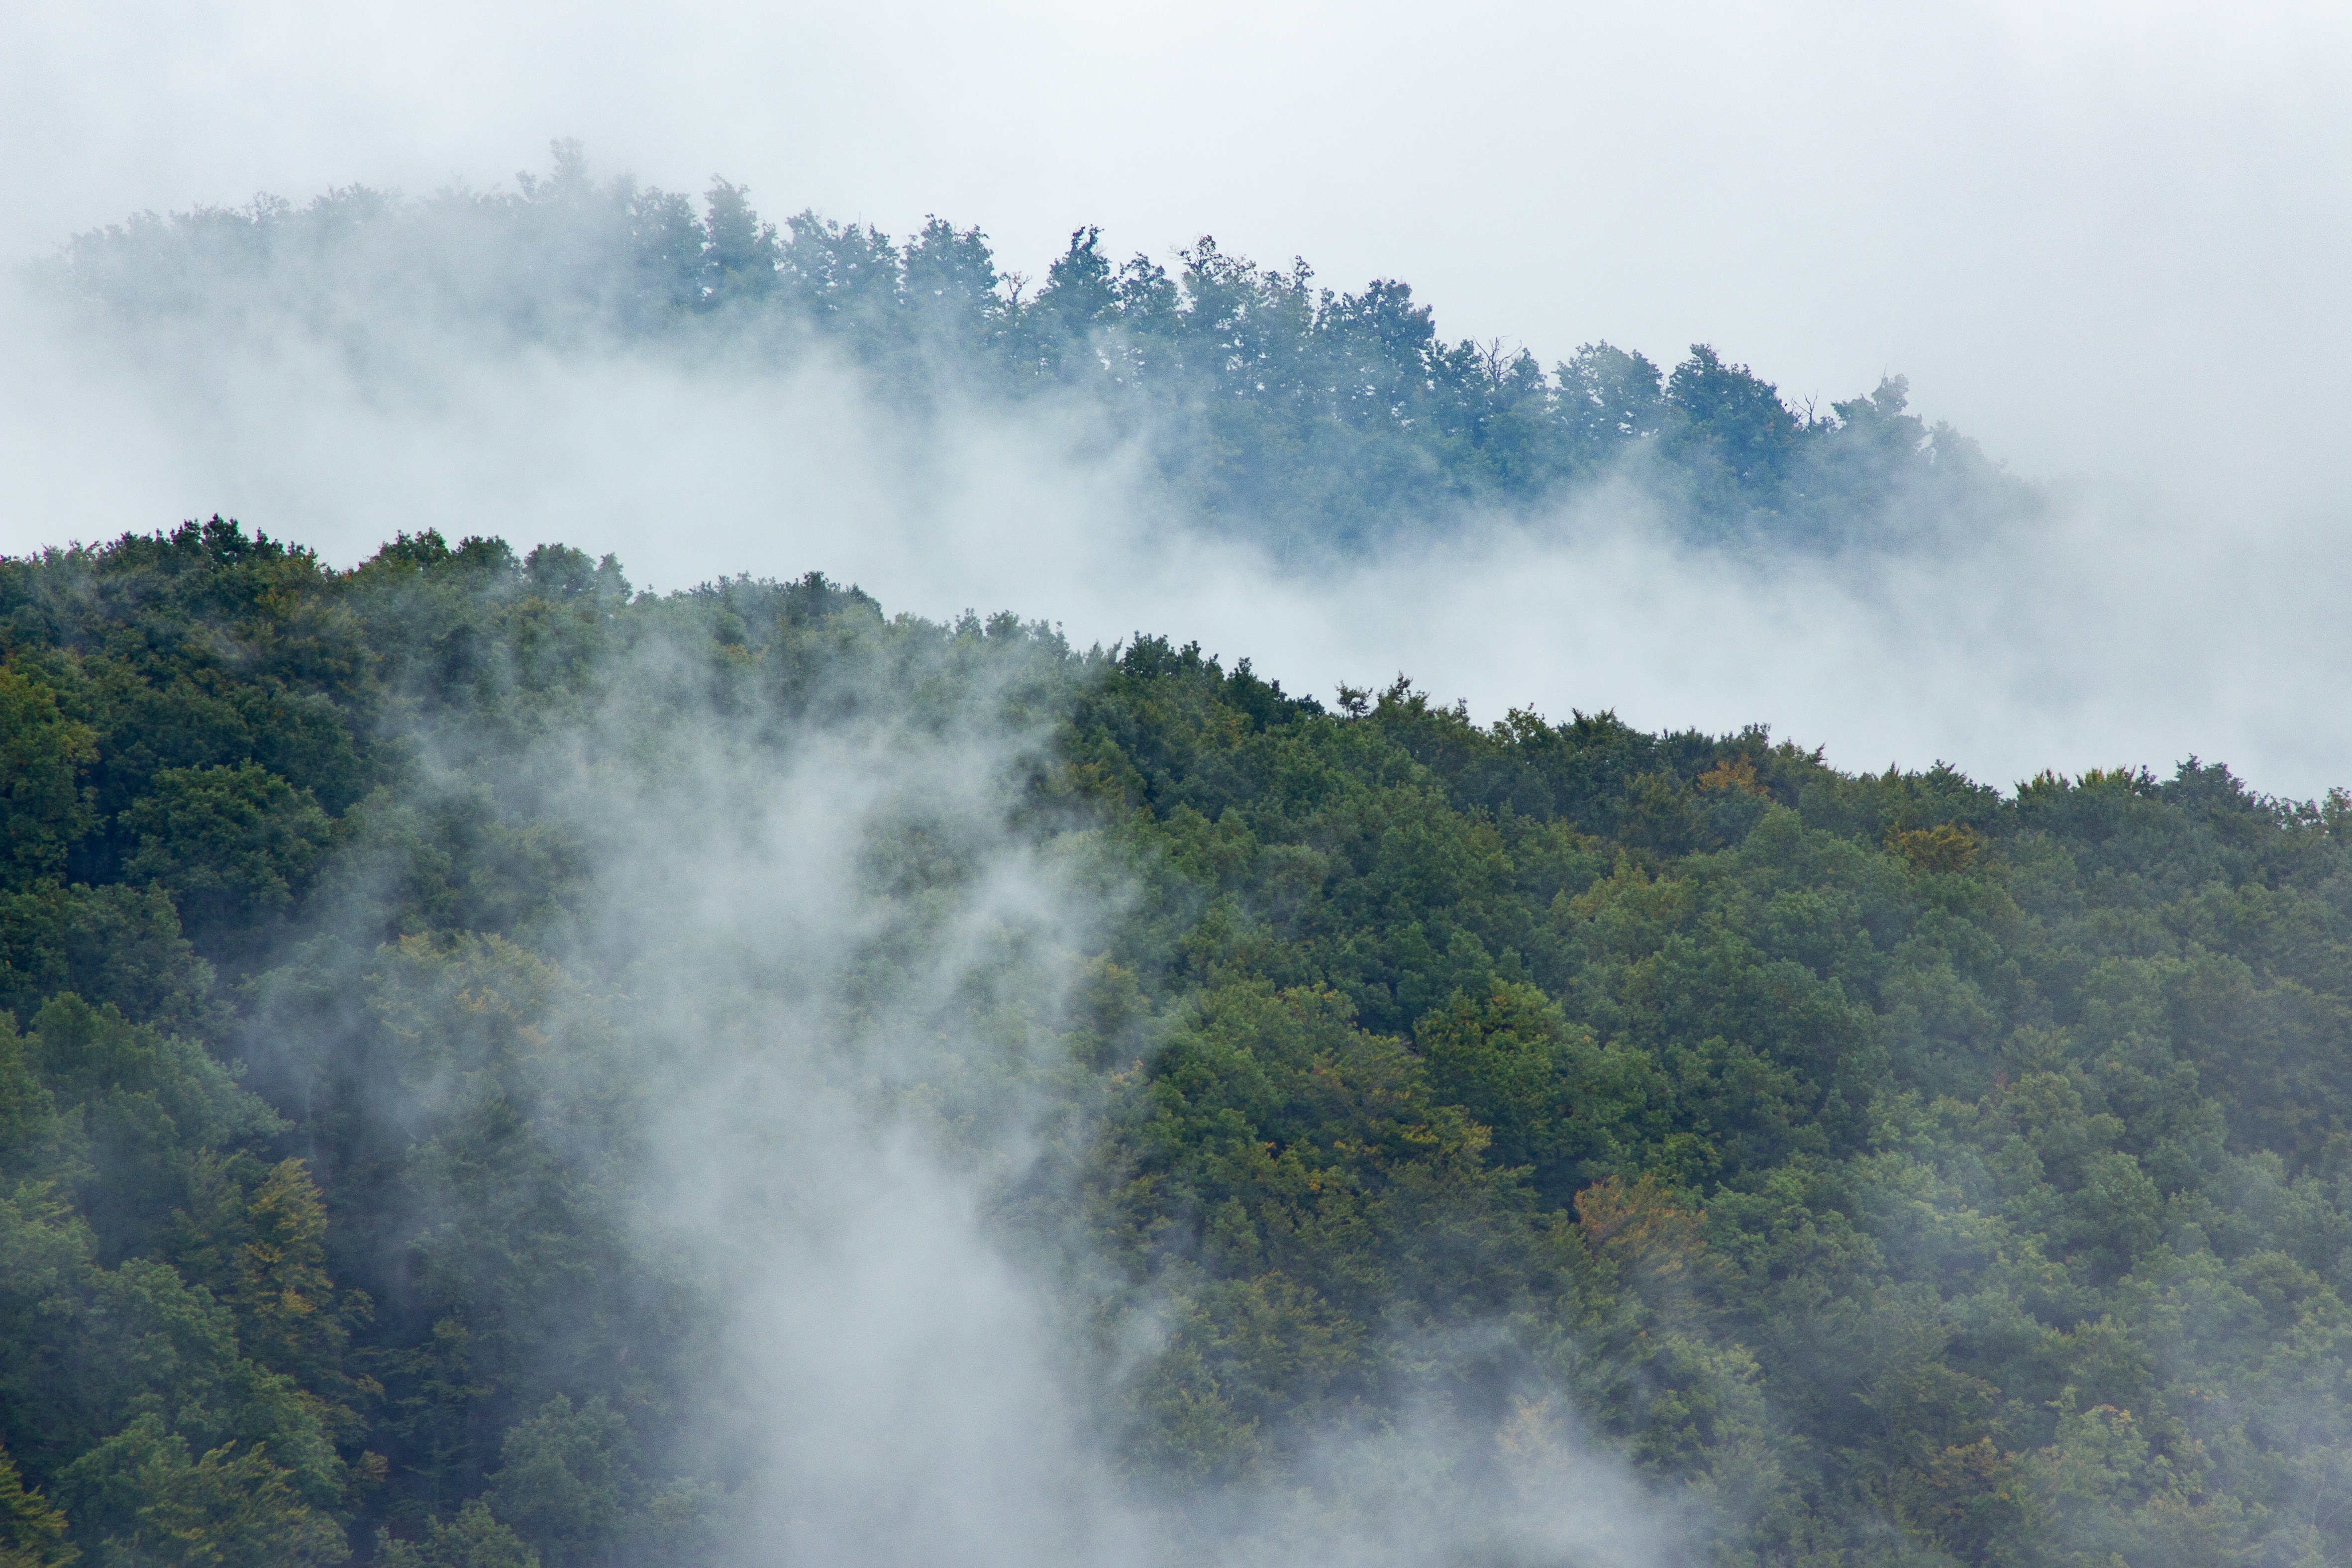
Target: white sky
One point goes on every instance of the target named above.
(2100, 236)
(2107, 239)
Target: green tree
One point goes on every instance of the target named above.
(1552, 1098)
(231, 844)
(141, 1499)
(475, 1539)
(563, 1480)
(32, 1531)
(44, 808)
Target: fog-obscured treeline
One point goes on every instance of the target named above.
(1877, 1169)
(1312, 418)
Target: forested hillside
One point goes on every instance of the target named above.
(1875, 1169)
(1317, 420)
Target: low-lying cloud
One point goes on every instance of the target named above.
(2116, 627)
(809, 1049)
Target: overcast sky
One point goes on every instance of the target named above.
(2102, 236)
(2109, 240)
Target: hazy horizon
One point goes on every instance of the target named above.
(2099, 243)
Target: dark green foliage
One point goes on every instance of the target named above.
(122, 1374)
(117, 941)
(232, 845)
(139, 1494)
(32, 1531)
(41, 754)
(1555, 1103)
(561, 1483)
(1886, 1169)
(475, 1539)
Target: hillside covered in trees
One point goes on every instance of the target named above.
(1402, 1125)
(1315, 420)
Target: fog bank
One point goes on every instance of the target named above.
(2102, 239)
(2123, 627)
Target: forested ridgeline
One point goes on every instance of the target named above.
(1313, 419)
(1881, 1169)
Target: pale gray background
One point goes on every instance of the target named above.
(2109, 239)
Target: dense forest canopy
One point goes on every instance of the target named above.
(1409, 1129)
(1314, 419)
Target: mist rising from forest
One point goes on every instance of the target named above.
(811, 1018)
(844, 1066)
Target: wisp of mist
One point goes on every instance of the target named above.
(811, 1023)
(2112, 628)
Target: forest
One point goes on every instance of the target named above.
(1315, 421)
(1389, 1125)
